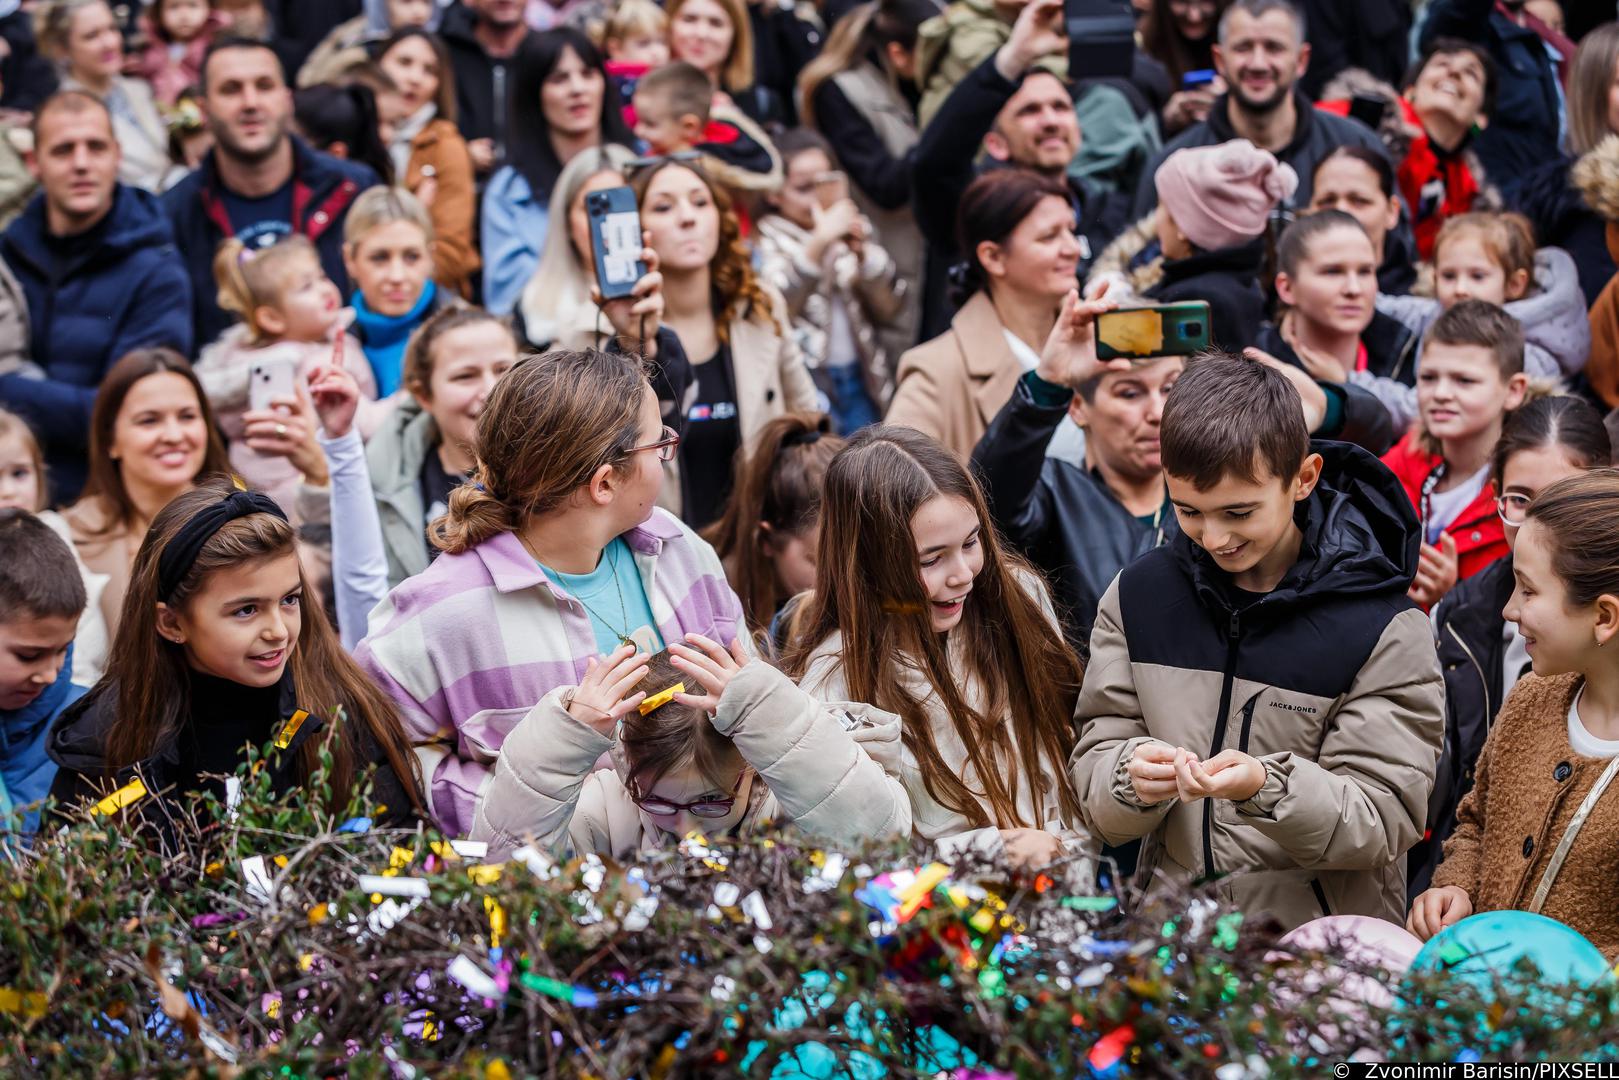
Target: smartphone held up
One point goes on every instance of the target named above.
(615, 240)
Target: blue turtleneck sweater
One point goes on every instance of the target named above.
(383, 337)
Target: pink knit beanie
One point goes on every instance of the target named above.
(1221, 195)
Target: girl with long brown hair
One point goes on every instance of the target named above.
(152, 433)
(919, 610)
(747, 368)
(771, 527)
(216, 651)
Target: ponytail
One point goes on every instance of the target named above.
(473, 516)
(251, 278)
(776, 494)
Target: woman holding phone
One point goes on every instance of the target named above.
(745, 362)
(1180, 34)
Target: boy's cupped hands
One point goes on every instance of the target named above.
(1160, 772)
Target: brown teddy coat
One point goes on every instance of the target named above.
(1528, 785)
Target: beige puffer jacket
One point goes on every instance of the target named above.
(1331, 680)
(828, 769)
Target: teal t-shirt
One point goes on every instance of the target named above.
(614, 598)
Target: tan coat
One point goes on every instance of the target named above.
(1528, 784)
(952, 387)
(104, 551)
(827, 769)
(439, 147)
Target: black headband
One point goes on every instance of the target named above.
(181, 552)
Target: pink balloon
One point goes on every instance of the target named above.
(1357, 937)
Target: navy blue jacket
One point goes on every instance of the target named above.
(324, 189)
(127, 292)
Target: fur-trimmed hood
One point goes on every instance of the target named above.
(1118, 262)
(1596, 177)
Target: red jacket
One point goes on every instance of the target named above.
(1478, 530)
(1449, 180)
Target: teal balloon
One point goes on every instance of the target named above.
(1486, 947)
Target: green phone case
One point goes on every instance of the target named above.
(1157, 330)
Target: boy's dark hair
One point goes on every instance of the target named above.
(1479, 322)
(683, 86)
(1228, 416)
(39, 577)
(1450, 46)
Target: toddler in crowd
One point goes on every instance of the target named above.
(1471, 377)
(22, 487)
(675, 114)
(291, 315)
(636, 40)
(41, 599)
(178, 34)
(1555, 746)
(840, 284)
(1492, 257)
(701, 739)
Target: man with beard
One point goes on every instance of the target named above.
(1024, 116)
(1261, 53)
(258, 183)
(482, 37)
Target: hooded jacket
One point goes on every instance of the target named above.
(482, 82)
(1471, 635)
(26, 769)
(324, 187)
(829, 769)
(1330, 680)
(1315, 135)
(1556, 329)
(1553, 201)
(1063, 517)
(126, 291)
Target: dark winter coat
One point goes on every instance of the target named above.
(1315, 136)
(482, 82)
(1064, 518)
(125, 292)
(1471, 634)
(324, 187)
(1563, 219)
(1522, 133)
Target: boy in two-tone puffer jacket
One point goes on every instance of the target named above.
(1263, 703)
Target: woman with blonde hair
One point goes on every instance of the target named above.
(555, 309)
(746, 367)
(717, 37)
(83, 39)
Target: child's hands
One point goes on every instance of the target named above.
(1030, 849)
(1438, 908)
(1437, 570)
(832, 225)
(712, 667)
(287, 430)
(1230, 774)
(603, 696)
(641, 312)
(336, 397)
(1152, 773)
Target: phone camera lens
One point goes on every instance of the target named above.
(1194, 329)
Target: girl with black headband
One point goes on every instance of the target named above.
(218, 650)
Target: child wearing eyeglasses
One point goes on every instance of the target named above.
(1470, 380)
(702, 739)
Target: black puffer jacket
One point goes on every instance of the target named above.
(1063, 518)
(1471, 636)
(1563, 219)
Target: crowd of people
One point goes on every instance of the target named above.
(319, 431)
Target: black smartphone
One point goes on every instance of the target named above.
(615, 240)
(1160, 330)
(1101, 38)
(1368, 109)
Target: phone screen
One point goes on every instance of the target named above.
(1138, 333)
(621, 243)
